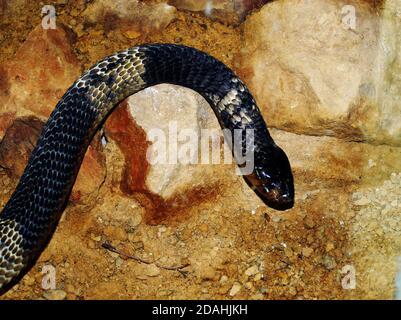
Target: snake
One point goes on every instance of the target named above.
(30, 217)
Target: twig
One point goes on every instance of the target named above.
(107, 245)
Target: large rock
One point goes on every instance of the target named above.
(313, 71)
(133, 18)
(227, 11)
(17, 144)
(31, 85)
(163, 183)
(41, 71)
(163, 109)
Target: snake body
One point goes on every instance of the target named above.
(30, 217)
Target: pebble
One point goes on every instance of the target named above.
(276, 219)
(258, 277)
(208, 273)
(235, 289)
(251, 271)
(292, 291)
(307, 252)
(309, 223)
(248, 285)
(119, 262)
(223, 279)
(329, 246)
(115, 233)
(132, 34)
(70, 288)
(29, 281)
(204, 228)
(329, 262)
(161, 230)
(152, 270)
(138, 245)
(258, 296)
(55, 295)
(96, 238)
(91, 244)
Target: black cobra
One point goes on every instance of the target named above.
(30, 217)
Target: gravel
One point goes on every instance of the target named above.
(55, 295)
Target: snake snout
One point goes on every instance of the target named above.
(278, 195)
(278, 199)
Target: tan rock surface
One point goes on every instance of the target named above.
(314, 72)
(32, 83)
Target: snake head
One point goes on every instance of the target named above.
(272, 179)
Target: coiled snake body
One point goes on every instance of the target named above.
(30, 217)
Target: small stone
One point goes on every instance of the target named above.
(258, 277)
(203, 228)
(208, 273)
(235, 289)
(329, 246)
(161, 230)
(263, 290)
(29, 281)
(115, 233)
(292, 291)
(132, 34)
(288, 252)
(223, 279)
(96, 238)
(362, 201)
(329, 262)
(55, 295)
(258, 296)
(74, 12)
(152, 270)
(276, 219)
(251, 271)
(70, 288)
(248, 285)
(138, 245)
(91, 244)
(306, 252)
(119, 262)
(310, 239)
(309, 223)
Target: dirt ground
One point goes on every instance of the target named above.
(217, 249)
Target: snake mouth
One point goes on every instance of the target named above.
(278, 200)
(277, 196)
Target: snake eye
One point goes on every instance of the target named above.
(274, 184)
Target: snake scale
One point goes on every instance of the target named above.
(31, 215)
